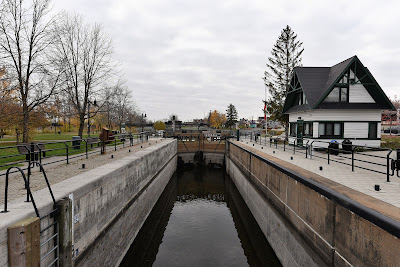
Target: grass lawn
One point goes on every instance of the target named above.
(50, 136)
(392, 142)
(8, 155)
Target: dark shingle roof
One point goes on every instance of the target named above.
(316, 83)
(313, 80)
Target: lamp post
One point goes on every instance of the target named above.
(143, 116)
(265, 106)
(94, 104)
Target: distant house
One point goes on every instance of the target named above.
(336, 103)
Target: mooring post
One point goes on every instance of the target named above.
(24, 243)
(65, 231)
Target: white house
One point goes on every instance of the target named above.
(336, 103)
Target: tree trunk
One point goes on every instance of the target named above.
(81, 124)
(25, 124)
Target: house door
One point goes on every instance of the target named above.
(300, 125)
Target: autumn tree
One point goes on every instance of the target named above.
(231, 116)
(84, 52)
(285, 55)
(159, 125)
(217, 119)
(10, 111)
(24, 42)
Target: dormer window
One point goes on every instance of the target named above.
(338, 94)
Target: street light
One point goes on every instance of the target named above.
(94, 104)
(143, 116)
(265, 104)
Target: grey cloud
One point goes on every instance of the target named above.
(189, 57)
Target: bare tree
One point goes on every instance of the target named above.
(24, 40)
(122, 103)
(84, 52)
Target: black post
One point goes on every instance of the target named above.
(294, 147)
(387, 167)
(352, 158)
(86, 150)
(67, 151)
(328, 153)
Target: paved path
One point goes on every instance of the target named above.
(360, 180)
(57, 172)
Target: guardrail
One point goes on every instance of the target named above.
(356, 156)
(386, 223)
(25, 155)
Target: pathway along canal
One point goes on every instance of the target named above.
(200, 220)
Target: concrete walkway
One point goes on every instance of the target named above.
(59, 171)
(360, 180)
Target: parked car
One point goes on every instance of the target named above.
(393, 130)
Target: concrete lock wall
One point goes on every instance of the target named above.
(305, 227)
(109, 204)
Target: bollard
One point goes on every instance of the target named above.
(65, 231)
(24, 243)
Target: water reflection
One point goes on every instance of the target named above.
(200, 220)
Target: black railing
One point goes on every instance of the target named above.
(386, 223)
(355, 156)
(26, 156)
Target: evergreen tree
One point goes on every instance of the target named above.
(231, 116)
(285, 55)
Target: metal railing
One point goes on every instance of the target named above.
(45, 153)
(386, 223)
(47, 248)
(372, 159)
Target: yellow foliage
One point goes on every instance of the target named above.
(217, 119)
(159, 125)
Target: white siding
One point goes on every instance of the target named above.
(337, 115)
(315, 129)
(355, 130)
(358, 94)
(379, 130)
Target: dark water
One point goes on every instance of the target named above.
(200, 220)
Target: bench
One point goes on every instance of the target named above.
(27, 148)
(93, 140)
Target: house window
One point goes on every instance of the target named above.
(344, 94)
(308, 129)
(330, 129)
(299, 99)
(338, 94)
(293, 129)
(304, 98)
(373, 130)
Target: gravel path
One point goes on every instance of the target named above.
(61, 171)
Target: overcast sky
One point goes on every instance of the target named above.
(190, 57)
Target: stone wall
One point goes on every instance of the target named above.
(109, 205)
(310, 224)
